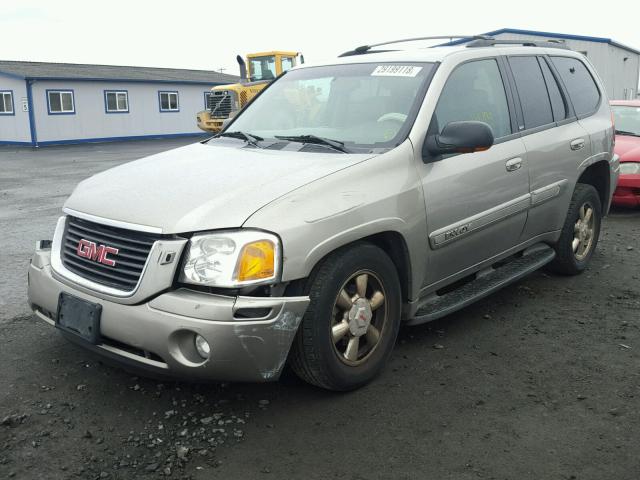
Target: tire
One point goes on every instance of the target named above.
(340, 365)
(569, 260)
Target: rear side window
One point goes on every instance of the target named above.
(557, 102)
(581, 86)
(532, 90)
(475, 91)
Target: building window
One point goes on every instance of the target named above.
(6, 102)
(169, 101)
(116, 101)
(60, 102)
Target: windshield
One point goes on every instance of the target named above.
(262, 68)
(362, 105)
(627, 119)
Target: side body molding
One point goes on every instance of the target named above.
(467, 226)
(462, 228)
(548, 192)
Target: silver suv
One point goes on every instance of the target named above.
(382, 188)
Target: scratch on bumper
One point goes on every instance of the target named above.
(242, 349)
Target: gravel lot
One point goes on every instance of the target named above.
(539, 381)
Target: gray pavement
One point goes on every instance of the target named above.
(538, 381)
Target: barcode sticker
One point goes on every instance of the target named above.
(396, 71)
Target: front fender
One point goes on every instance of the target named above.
(380, 194)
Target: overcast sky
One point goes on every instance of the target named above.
(209, 34)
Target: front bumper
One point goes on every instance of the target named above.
(157, 335)
(208, 123)
(627, 192)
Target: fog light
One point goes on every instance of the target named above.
(202, 346)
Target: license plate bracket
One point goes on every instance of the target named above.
(79, 317)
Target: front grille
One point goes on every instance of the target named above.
(133, 250)
(220, 104)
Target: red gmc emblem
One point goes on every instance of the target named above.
(97, 253)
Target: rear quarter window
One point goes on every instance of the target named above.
(580, 85)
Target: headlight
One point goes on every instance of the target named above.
(232, 259)
(629, 168)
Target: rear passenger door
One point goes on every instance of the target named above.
(476, 203)
(555, 141)
(587, 100)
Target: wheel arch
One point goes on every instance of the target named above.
(598, 176)
(392, 243)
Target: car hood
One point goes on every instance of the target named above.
(201, 186)
(628, 148)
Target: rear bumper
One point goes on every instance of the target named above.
(158, 336)
(627, 192)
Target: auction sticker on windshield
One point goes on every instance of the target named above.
(396, 71)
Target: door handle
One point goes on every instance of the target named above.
(577, 144)
(513, 164)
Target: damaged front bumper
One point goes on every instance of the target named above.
(249, 337)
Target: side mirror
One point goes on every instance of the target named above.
(460, 137)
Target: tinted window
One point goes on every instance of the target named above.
(475, 91)
(557, 103)
(532, 91)
(582, 88)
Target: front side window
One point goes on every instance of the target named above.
(116, 102)
(580, 85)
(365, 106)
(262, 68)
(287, 63)
(6, 103)
(627, 120)
(532, 90)
(60, 102)
(475, 91)
(169, 101)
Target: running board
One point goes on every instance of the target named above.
(485, 284)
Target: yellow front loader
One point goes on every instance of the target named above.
(260, 69)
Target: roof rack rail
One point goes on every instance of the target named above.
(490, 42)
(367, 48)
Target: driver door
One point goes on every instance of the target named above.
(476, 203)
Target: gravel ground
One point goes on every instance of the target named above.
(539, 381)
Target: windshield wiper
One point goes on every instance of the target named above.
(335, 144)
(624, 132)
(249, 138)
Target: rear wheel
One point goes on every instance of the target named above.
(351, 325)
(580, 232)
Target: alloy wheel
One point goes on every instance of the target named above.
(359, 318)
(583, 232)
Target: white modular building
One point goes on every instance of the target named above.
(54, 103)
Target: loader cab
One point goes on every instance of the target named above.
(266, 66)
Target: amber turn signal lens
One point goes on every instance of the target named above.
(256, 261)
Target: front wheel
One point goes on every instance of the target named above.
(351, 325)
(580, 232)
